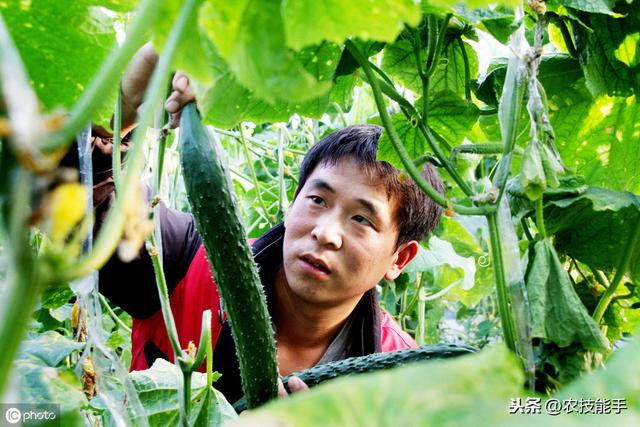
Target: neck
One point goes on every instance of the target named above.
(304, 325)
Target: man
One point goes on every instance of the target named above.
(353, 222)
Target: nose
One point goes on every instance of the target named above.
(328, 232)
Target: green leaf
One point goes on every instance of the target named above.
(451, 116)
(620, 379)
(605, 73)
(62, 45)
(600, 219)
(447, 269)
(465, 233)
(593, 6)
(411, 138)
(249, 35)
(197, 60)
(55, 297)
(557, 314)
(158, 388)
(50, 347)
(228, 102)
(601, 143)
(558, 74)
(468, 388)
(399, 62)
(38, 384)
(310, 22)
(450, 71)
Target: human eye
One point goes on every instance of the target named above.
(316, 200)
(362, 220)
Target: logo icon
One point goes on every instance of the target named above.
(13, 415)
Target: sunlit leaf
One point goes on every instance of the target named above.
(249, 35)
(310, 22)
(62, 44)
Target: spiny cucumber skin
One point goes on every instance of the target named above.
(373, 362)
(217, 218)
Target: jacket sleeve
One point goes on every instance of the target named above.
(132, 285)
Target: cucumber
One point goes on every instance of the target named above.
(210, 193)
(373, 362)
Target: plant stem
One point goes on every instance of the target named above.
(623, 266)
(439, 43)
(282, 191)
(402, 152)
(115, 155)
(186, 398)
(205, 338)
(25, 278)
(91, 99)
(445, 162)
(113, 315)
(501, 282)
(163, 293)
(566, 36)
(209, 345)
(600, 277)
(467, 69)
(254, 177)
(540, 218)
(114, 223)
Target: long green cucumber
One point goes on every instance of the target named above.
(373, 362)
(210, 193)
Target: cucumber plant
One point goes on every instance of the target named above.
(537, 151)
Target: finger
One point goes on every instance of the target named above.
(180, 81)
(281, 390)
(296, 385)
(172, 105)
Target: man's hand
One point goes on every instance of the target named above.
(134, 85)
(295, 385)
(180, 95)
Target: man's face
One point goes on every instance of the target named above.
(340, 237)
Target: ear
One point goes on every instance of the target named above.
(405, 253)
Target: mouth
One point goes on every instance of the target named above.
(316, 263)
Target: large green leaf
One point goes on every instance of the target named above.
(597, 46)
(600, 140)
(198, 58)
(465, 233)
(557, 73)
(593, 6)
(449, 115)
(62, 44)
(620, 379)
(457, 392)
(50, 347)
(447, 270)
(411, 138)
(400, 62)
(310, 22)
(158, 388)
(228, 102)
(249, 35)
(557, 314)
(594, 227)
(40, 384)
